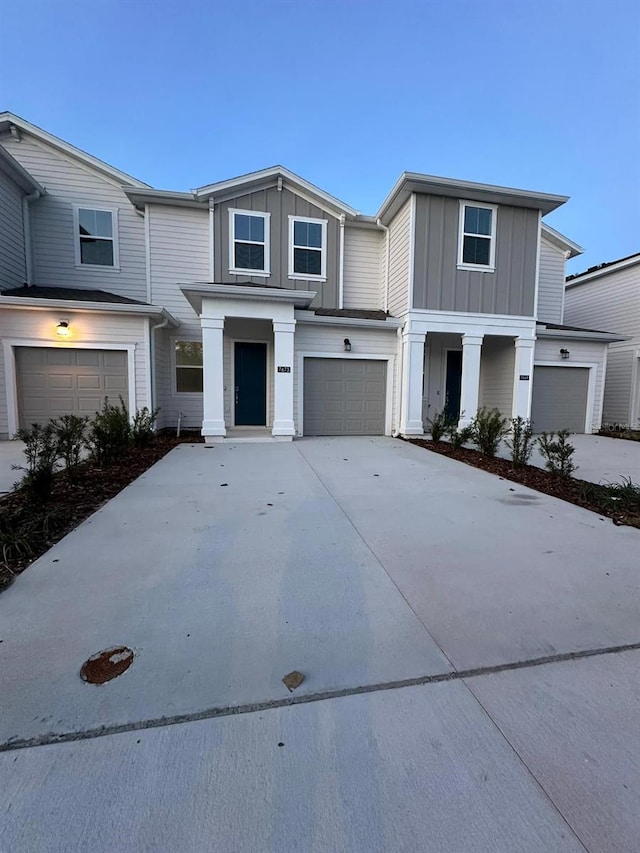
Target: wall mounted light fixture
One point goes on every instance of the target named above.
(565, 353)
(347, 345)
(62, 329)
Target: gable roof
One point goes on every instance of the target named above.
(602, 269)
(18, 174)
(9, 120)
(560, 241)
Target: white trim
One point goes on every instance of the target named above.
(613, 266)
(491, 267)
(412, 250)
(592, 366)
(341, 264)
(212, 268)
(189, 339)
(266, 243)
(26, 304)
(323, 249)
(307, 317)
(559, 241)
(115, 267)
(11, 379)
(634, 399)
(390, 359)
(460, 322)
(268, 360)
(536, 290)
(147, 248)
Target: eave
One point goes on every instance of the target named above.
(17, 302)
(195, 292)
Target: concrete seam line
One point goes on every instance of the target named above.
(272, 704)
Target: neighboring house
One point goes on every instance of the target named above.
(609, 295)
(263, 303)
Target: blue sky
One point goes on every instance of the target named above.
(540, 94)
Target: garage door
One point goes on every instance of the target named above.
(559, 398)
(344, 396)
(54, 382)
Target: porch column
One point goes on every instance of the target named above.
(470, 383)
(213, 426)
(283, 378)
(412, 383)
(523, 377)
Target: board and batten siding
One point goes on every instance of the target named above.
(13, 271)
(38, 327)
(179, 254)
(399, 260)
(69, 182)
(440, 286)
(497, 364)
(551, 283)
(362, 250)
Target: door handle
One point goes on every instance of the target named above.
(237, 392)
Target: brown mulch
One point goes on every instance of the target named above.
(627, 434)
(73, 500)
(570, 489)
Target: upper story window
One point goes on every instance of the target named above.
(96, 236)
(477, 236)
(307, 248)
(249, 242)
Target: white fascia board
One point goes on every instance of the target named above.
(17, 302)
(601, 337)
(560, 241)
(194, 294)
(307, 318)
(615, 266)
(140, 197)
(18, 174)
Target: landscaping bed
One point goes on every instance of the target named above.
(620, 503)
(627, 434)
(28, 530)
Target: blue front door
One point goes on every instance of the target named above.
(250, 384)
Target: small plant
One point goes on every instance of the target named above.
(521, 443)
(489, 428)
(109, 433)
(142, 429)
(41, 452)
(440, 424)
(459, 437)
(70, 433)
(557, 452)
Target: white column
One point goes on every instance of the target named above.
(412, 383)
(213, 426)
(470, 385)
(283, 378)
(523, 377)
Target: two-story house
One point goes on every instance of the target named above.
(263, 306)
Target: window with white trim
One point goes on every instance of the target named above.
(307, 248)
(477, 236)
(96, 236)
(189, 370)
(249, 242)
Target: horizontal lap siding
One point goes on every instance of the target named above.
(399, 261)
(12, 263)
(619, 385)
(610, 303)
(362, 250)
(551, 286)
(496, 374)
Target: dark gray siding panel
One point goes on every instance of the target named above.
(440, 286)
(280, 204)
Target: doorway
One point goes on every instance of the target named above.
(250, 383)
(453, 383)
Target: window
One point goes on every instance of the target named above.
(96, 237)
(307, 248)
(477, 244)
(249, 242)
(189, 367)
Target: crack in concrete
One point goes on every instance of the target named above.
(287, 701)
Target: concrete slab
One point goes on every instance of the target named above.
(497, 572)
(414, 769)
(575, 725)
(11, 453)
(224, 568)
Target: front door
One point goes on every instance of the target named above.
(250, 384)
(453, 383)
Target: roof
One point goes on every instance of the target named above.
(9, 120)
(557, 330)
(354, 313)
(37, 291)
(560, 241)
(18, 174)
(602, 269)
(415, 182)
(194, 292)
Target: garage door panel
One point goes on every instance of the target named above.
(344, 396)
(559, 398)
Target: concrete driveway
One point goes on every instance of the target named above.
(469, 650)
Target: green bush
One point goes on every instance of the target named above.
(440, 424)
(143, 427)
(489, 427)
(41, 453)
(521, 443)
(458, 437)
(557, 452)
(109, 435)
(70, 433)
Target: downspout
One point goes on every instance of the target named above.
(152, 359)
(386, 264)
(341, 274)
(211, 238)
(26, 225)
(399, 379)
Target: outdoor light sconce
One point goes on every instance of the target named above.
(347, 345)
(565, 353)
(63, 329)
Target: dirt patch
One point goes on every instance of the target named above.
(106, 665)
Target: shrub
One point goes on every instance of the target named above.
(41, 452)
(489, 427)
(109, 433)
(142, 430)
(70, 433)
(458, 437)
(521, 443)
(557, 452)
(440, 424)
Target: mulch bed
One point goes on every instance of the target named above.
(580, 492)
(74, 500)
(627, 434)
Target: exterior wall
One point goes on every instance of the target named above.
(67, 183)
(238, 329)
(399, 260)
(610, 303)
(13, 271)
(496, 374)
(280, 204)
(38, 327)
(433, 392)
(551, 287)
(622, 391)
(362, 251)
(440, 286)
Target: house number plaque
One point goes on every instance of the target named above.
(524, 377)
(284, 368)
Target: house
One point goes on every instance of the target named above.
(264, 306)
(609, 295)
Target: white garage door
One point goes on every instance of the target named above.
(59, 381)
(559, 398)
(344, 396)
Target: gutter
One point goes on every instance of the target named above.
(18, 302)
(306, 318)
(152, 360)
(386, 264)
(602, 337)
(26, 225)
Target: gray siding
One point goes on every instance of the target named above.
(610, 302)
(440, 286)
(496, 374)
(12, 263)
(281, 205)
(618, 391)
(551, 288)
(399, 260)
